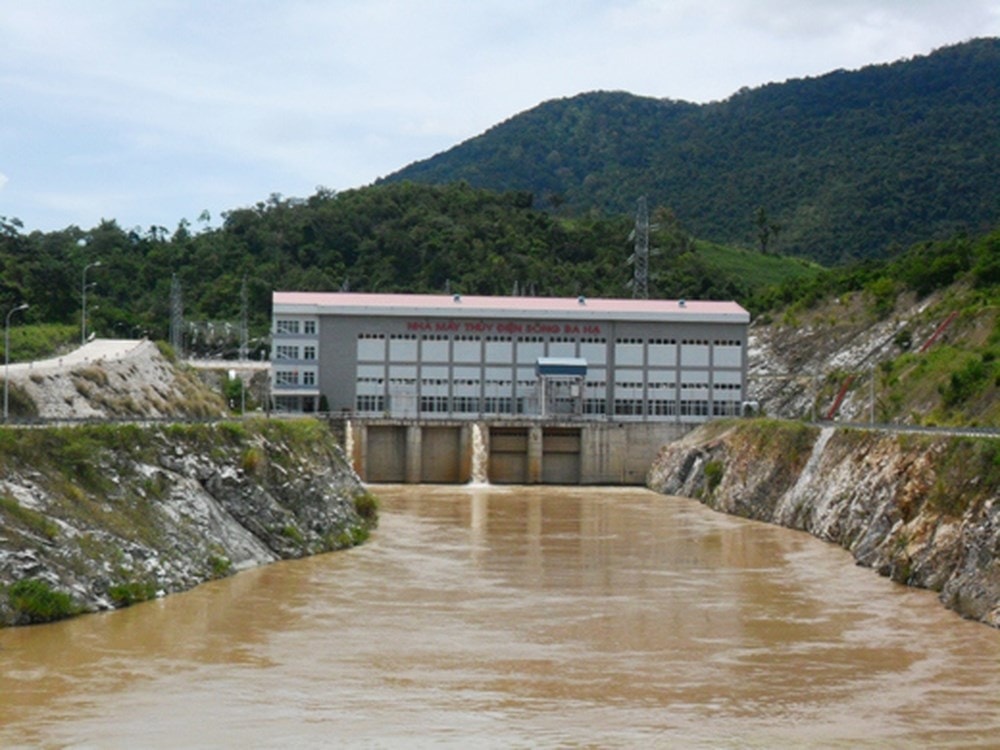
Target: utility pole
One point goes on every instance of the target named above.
(83, 301)
(871, 396)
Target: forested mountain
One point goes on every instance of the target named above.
(847, 165)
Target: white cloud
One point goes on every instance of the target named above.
(168, 107)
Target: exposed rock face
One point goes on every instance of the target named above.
(114, 514)
(794, 366)
(112, 378)
(923, 511)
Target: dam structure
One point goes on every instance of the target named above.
(435, 388)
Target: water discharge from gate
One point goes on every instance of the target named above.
(520, 617)
(480, 456)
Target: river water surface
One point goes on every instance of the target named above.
(520, 617)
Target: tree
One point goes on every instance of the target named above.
(767, 230)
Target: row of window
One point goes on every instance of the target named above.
(503, 353)
(524, 339)
(294, 377)
(295, 327)
(295, 404)
(622, 407)
(291, 351)
(522, 384)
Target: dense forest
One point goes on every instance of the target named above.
(390, 238)
(845, 166)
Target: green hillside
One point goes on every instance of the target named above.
(941, 363)
(847, 165)
(387, 238)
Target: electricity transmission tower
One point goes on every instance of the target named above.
(640, 255)
(243, 319)
(176, 316)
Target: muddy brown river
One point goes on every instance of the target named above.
(520, 617)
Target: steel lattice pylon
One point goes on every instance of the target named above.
(640, 256)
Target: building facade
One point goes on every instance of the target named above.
(464, 357)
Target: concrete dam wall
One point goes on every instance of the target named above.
(507, 452)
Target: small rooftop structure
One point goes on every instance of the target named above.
(561, 366)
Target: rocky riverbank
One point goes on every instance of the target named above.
(98, 517)
(923, 511)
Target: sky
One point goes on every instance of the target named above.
(150, 112)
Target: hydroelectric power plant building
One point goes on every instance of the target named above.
(523, 367)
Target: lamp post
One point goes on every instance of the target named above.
(83, 297)
(6, 357)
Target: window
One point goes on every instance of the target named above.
(628, 406)
(309, 327)
(286, 403)
(466, 349)
(403, 347)
(728, 354)
(466, 404)
(283, 351)
(662, 352)
(499, 349)
(434, 404)
(309, 352)
(562, 347)
(726, 408)
(434, 348)
(694, 408)
(286, 377)
(284, 325)
(694, 353)
(371, 347)
(497, 405)
(628, 352)
(370, 403)
(308, 378)
(594, 350)
(662, 408)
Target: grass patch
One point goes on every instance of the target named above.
(168, 352)
(713, 474)
(31, 520)
(754, 269)
(31, 342)
(252, 459)
(34, 601)
(366, 506)
(352, 536)
(96, 375)
(220, 566)
(127, 594)
(293, 533)
(968, 473)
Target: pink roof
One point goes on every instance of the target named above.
(468, 305)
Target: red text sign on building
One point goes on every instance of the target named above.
(505, 327)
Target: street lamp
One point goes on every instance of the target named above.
(6, 356)
(83, 297)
